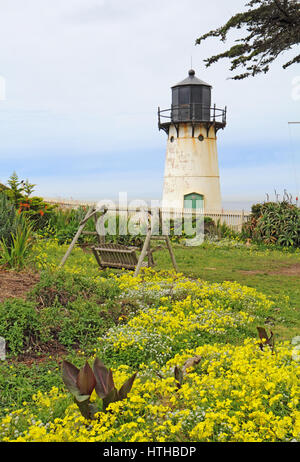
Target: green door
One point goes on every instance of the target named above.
(194, 201)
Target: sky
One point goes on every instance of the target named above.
(81, 82)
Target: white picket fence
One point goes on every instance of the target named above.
(232, 218)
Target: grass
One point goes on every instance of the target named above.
(262, 269)
(19, 381)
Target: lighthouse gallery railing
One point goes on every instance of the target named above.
(193, 112)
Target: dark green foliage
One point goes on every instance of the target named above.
(14, 192)
(3, 187)
(62, 288)
(79, 323)
(61, 311)
(274, 223)
(209, 226)
(35, 209)
(15, 253)
(8, 219)
(20, 325)
(273, 27)
(222, 230)
(75, 310)
(64, 224)
(19, 381)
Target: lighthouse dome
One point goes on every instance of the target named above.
(191, 99)
(192, 80)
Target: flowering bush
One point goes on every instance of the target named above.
(235, 393)
(176, 312)
(232, 391)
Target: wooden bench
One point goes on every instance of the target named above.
(116, 256)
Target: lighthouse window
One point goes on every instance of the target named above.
(172, 139)
(200, 137)
(184, 95)
(196, 94)
(175, 97)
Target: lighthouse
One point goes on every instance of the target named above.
(191, 179)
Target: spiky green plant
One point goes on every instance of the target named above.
(274, 223)
(15, 254)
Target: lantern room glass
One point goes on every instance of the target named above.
(191, 103)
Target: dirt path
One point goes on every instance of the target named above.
(16, 284)
(293, 270)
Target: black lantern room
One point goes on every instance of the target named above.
(191, 103)
(191, 100)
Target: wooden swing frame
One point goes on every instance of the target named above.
(116, 255)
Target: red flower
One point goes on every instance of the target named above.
(41, 213)
(24, 205)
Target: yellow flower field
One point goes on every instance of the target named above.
(233, 392)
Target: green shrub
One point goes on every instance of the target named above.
(79, 323)
(19, 382)
(3, 187)
(19, 325)
(74, 310)
(274, 223)
(62, 288)
(15, 253)
(35, 209)
(14, 192)
(65, 223)
(209, 226)
(61, 311)
(8, 219)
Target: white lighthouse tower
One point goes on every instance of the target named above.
(192, 178)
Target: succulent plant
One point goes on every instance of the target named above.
(82, 382)
(265, 339)
(180, 373)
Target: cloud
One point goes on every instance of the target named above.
(106, 10)
(84, 79)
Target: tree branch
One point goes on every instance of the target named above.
(273, 27)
